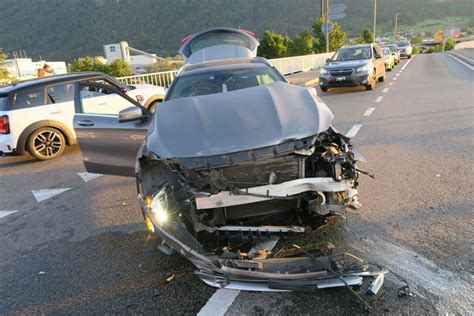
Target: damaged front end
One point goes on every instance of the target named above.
(226, 212)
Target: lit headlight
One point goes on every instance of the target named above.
(323, 71)
(365, 68)
(158, 209)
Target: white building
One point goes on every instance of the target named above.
(122, 51)
(25, 68)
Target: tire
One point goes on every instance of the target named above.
(382, 78)
(46, 143)
(151, 108)
(324, 89)
(409, 56)
(372, 84)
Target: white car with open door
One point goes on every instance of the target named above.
(234, 156)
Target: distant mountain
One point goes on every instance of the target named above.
(67, 29)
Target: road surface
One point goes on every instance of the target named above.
(71, 246)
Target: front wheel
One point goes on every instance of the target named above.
(46, 143)
(382, 78)
(372, 83)
(152, 106)
(324, 89)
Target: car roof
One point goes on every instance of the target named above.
(50, 80)
(358, 45)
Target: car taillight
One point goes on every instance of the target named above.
(249, 33)
(4, 124)
(184, 40)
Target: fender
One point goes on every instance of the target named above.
(68, 135)
(153, 98)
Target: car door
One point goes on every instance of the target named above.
(108, 146)
(379, 61)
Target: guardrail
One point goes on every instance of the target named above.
(287, 66)
(162, 79)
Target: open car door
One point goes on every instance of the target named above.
(218, 43)
(110, 128)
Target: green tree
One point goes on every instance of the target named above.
(302, 44)
(449, 44)
(336, 38)
(118, 68)
(164, 65)
(87, 64)
(273, 45)
(366, 37)
(4, 74)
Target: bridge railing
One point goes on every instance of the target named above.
(286, 66)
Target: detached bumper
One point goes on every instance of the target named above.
(300, 272)
(348, 81)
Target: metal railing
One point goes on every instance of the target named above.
(162, 79)
(286, 66)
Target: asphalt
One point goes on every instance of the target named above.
(85, 251)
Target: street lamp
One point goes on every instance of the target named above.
(395, 28)
(375, 18)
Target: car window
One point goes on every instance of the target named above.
(222, 81)
(386, 51)
(30, 97)
(402, 44)
(3, 103)
(102, 101)
(352, 53)
(61, 93)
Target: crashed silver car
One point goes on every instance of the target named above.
(235, 157)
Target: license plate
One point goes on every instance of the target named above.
(340, 78)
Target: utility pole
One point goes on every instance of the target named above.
(395, 28)
(322, 9)
(327, 26)
(375, 17)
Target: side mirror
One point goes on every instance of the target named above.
(328, 60)
(378, 56)
(132, 113)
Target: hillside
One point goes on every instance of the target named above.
(67, 29)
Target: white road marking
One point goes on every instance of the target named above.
(41, 195)
(353, 131)
(453, 290)
(369, 111)
(219, 302)
(460, 61)
(395, 78)
(385, 90)
(391, 83)
(6, 213)
(222, 299)
(397, 75)
(406, 64)
(86, 176)
(379, 99)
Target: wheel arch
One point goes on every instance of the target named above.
(67, 133)
(153, 98)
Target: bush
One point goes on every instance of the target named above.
(416, 50)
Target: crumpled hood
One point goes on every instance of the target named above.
(234, 121)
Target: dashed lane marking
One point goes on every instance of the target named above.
(41, 195)
(397, 75)
(6, 213)
(222, 299)
(353, 131)
(369, 111)
(395, 78)
(391, 83)
(379, 99)
(385, 90)
(86, 176)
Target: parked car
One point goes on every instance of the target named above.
(355, 65)
(405, 48)
(395, 52)
(36, 115)
(235, 155)
(389, 58)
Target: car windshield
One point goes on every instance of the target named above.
(222, 81)
(353, 53)
(3, 103)
(402, 44)
(386, 51)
